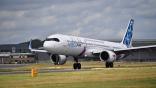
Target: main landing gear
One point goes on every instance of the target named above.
(76, 65)
(109, 64)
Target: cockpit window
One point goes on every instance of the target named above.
(52, 39)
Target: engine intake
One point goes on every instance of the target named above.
(107, 56)
(58, 59)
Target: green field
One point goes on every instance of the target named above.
(124, 75)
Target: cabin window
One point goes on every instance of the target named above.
(53, 39)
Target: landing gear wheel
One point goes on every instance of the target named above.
(109, 64)
(77, 66)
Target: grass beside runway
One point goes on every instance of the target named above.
(132, 75)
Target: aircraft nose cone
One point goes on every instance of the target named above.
(46, 45)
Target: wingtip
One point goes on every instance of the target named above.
(30, 45)
(132, 20)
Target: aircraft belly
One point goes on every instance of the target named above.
(74, 51)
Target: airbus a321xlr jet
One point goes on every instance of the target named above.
(61, 46)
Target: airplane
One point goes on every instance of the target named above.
(61, 46)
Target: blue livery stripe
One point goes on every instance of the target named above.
(128, 36)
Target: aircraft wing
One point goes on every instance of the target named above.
(37, 50)
(133, 49)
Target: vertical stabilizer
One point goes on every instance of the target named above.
(127, 40)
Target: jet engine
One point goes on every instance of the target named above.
(107, 56)
(58, 59)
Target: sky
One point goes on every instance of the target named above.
(22, 20)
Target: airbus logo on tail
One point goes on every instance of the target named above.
(128, 35)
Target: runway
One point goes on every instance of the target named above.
(40, 71)
(10, 66)
(6, 69)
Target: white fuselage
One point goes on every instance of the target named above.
(77, 46)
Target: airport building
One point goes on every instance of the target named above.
(16, 53)
(19, 53)
(148, 55)
(17, 58)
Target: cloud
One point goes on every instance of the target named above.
(21, 20)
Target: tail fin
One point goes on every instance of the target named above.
(127, 40)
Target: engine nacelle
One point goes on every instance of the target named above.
(107, 56)
(58, 59)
